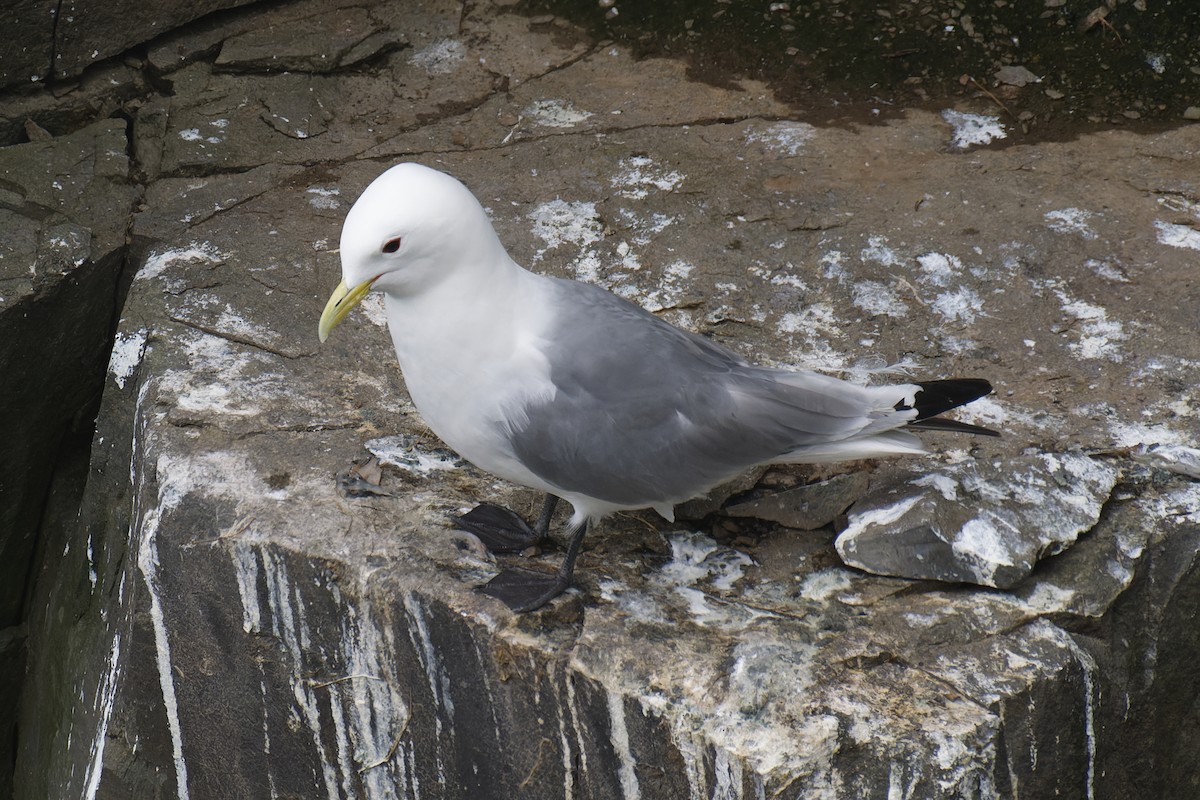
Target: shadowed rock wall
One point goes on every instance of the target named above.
(64, 209)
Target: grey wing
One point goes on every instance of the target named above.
(644, 412)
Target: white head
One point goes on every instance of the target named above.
(410, 227)
(409, 230)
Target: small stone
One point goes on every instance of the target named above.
(700, 507)
(1131, 114)
(37, 133)
(1015, 76)
(1054, 94)
(1192, 113)
(806, 507)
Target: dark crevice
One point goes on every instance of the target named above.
(57, 543)
(52, 69)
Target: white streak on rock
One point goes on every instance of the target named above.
(127, 352)
(565, 745)
(290, 626)
(573, 707)
(727, 776)
(374, 710)
(1087, 666)
(691, 744)
(147, 561)
(435, 671)
(245, 567)
(620, 742)
(884, 515)
(160, 261)
(897, 790)
(105, 695)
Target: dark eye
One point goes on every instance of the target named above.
(391, 245)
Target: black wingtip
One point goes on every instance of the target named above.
(938, 397)
(951, 426)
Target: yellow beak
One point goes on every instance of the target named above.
(339, 305)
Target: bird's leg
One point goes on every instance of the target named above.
(502, 531)
(525, 590)
(542, 527)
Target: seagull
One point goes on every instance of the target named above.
(565, 388)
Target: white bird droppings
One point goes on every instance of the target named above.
(127, 352)
(973, 129)
(440, 58)
(1174, 235)
(555, 114)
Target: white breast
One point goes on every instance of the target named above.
(472, 364)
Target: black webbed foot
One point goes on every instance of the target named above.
(525, 590)
(500, 530)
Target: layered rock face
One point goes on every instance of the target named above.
(212, 600)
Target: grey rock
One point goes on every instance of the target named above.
(806, 507)
(64, 205)
(324, 41)
(987, 523)
(210, 614)
(700, 507)
(52, 40)
(103, 92)
(90, 32)
(1016, 76)
(1177, 458)
(29, 29)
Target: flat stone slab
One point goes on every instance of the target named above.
(982, 522)
(806, 507)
